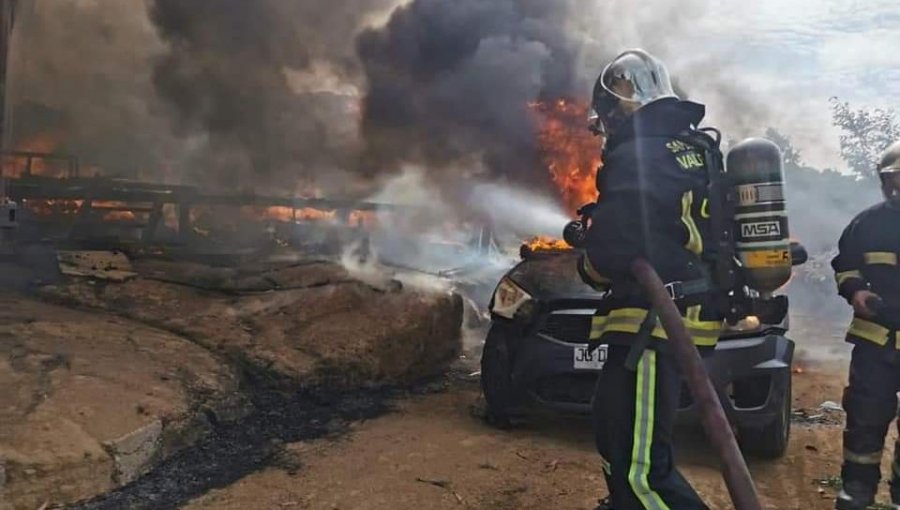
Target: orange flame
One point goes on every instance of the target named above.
(115, 215)
(570, 151)
(290, 215)
(543, 243)
(287, 214)
(366, 219)
(16, 166)
(110, 211)
(52, 207)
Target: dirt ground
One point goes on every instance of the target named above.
(90, 400)
(434, 453)
(111, 374)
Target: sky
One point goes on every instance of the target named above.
(799, 53)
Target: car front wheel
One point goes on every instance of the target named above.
(496, 376)
(770, 441)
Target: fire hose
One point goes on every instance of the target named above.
(718, 429)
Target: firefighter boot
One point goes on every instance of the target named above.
(605, 504)
(854, 496)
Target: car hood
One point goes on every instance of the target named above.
(552, 276)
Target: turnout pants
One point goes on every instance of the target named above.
(634, 417)
(870, 401)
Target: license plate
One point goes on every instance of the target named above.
(586, 360)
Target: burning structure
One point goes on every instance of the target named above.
(292, 138)
(562, 157)
(298, 110)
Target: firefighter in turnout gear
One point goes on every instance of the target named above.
(868, 276)
(654, 204)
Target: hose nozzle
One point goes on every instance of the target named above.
(575, 234)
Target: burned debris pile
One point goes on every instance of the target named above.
(292, 325)
(124, 373)
(98, 400)
(158, 318)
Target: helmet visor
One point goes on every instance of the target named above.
(638, 77)
(892, 169)
(602, 113)
(890, 160)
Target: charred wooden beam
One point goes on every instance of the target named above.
(103, 189)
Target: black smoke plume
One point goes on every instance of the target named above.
(450, 82)
(251, 76)
(277, 94)
(80, 83)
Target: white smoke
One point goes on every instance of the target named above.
(435, 247)
(433, 232)
(519, 211)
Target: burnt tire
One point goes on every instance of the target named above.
(496, 377)
(771, 440)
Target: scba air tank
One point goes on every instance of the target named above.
(755, 169)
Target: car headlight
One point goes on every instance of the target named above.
(509, 298)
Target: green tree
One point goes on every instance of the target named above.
(792, 156)
(866, 133)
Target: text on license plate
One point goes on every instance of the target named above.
(586, 360)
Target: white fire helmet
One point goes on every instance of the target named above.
(890, 160)
(634, 76)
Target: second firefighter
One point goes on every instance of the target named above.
(868, 276)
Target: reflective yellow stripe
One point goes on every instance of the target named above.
(598, 326)
(632, 313)
(629, 320)
(705, 340)
(704, 209)
(868, 330)
(706, 337)
(880, 257)
(847, 275)
(695, 241)
(693, 314)
(897, 341)
(863, 458)
(625, 325)
(703, 333)
(642, 439)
